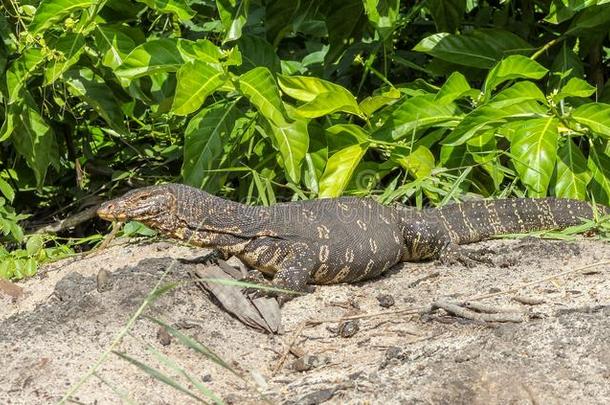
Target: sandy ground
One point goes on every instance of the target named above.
(53, 334)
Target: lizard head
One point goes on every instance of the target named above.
(146, 204)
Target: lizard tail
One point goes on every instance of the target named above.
(473, 221)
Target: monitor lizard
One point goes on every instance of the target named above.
(337, 240)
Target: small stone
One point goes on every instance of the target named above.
(305, 363)
(163, 336)
(317, 397)
(103, 280)
(385, 300)
(349, 328)
(393, 352)
(161, 246)
(206, 378)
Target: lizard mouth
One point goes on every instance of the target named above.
(108, 212)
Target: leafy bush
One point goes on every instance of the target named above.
(267, 100)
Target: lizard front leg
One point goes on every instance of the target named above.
(453, 253)
(291, 265)
(294, 273)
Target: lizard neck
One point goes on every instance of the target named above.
(199, 210)
(209, 221)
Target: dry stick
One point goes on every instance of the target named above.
(116, 226)
(295, 336)
(456, 309)
(490, 309)
(522, 299)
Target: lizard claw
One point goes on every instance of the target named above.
(255, 278)
(210, 258)
(454, 254)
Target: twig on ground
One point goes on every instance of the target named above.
(489, 309)
(288, 349)
(425, 278)
(528, 300)
(456, 309)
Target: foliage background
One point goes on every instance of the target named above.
(415, 102)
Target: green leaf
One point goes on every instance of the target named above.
(592, 17)
(255, 51)
(305, 88)
(562, 10)
(202, 50)
(322, 97)
(158, 55)
(135, 228)
(447, 14)
(575, 87)
(453, 157)
(599, 165)
(572, 172)
(484, 151)
(7, 190)
(316, 157)
(345, 24)
(486, 117)
(373, 103)
(513, 67)
(480, 48)
(115, 42)
(328, 103)
(70, 46)
(383, 15)
(417, 113)
(179, 8)
(566, 64)
(418, 162)
(19, 72)
(98, 96)
(595, 116)
(456, 86)
(279, 18)
(234, 15)
(34, 139)
(339, 170)
(49, 12)
(196, 81)
(34, 245)
(259, 86)
(534, 152)
(342, 135)
(204, 140)
(292, 141)
(25, 268)
(517, 93)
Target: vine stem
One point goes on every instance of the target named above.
(546, 47)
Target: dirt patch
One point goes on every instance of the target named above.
(68, 316)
